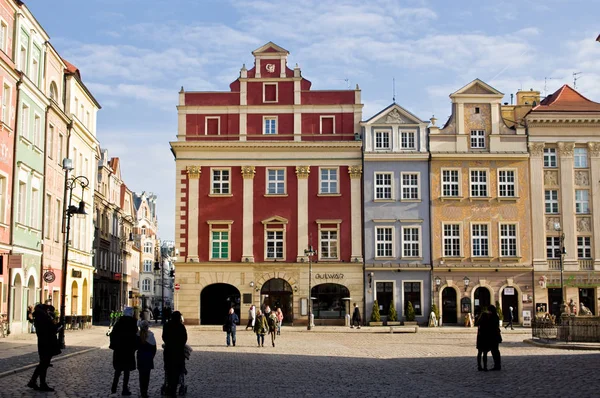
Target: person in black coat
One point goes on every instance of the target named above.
(48, 346)
(483, 341)
(123, 342)
(174, 337)
(494, 337)
(231, 325)
(356, 317)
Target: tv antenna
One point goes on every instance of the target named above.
(347, 83)
(546, 84)
(575, 78)
(394, 90)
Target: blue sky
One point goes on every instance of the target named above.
(134, 55)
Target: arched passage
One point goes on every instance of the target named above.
(85, 303)
(482, 300)
(74, 298)
(329, 301)
(510, 298)
(277, 293)
(215, 302)
(448, 305)
(30, 292)
(17, 304)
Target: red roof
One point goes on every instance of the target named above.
(566, 99)
(71, 68)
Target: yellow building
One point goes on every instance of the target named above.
(481, 236)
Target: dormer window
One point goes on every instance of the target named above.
(269, 92)
(478, 139)
(382, 140)
(407, 139)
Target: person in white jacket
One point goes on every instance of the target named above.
(251, 317)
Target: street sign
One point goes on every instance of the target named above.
(49, 276)
(177, 287)
(117, 276)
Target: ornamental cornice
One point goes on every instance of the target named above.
(565, 149)
(355, 171)
(247, 145)
(302, 171)
(536, 149)
(194, 172)
(248, 172)
(594, 148)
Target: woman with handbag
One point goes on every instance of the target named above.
(230, 326)
(261, 327)
(48, 345)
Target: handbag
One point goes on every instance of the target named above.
(225, 328)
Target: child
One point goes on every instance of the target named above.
(145, 356)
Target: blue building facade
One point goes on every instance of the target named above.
(396, 213)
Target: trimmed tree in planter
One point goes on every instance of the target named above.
(410, 312)
(436, 312)
(392, 318)
(375, 315)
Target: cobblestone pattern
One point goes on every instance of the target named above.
(345, 364)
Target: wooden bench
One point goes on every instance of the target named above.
(404, 329)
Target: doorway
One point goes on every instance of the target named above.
(482, 300)
(215, 302)
(586, 297)
(555, 299)
(510, 299)
(448, 305)
(277, 293)
(384, 296)
(330, 301)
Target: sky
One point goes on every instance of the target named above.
(135, 55)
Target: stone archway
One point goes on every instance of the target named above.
(74, 298)
(216, 300)
(17, 302)
(449, 305)
(483, 297)
(511, 300)
(277, 293)
(331, 301)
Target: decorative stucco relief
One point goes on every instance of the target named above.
(584, 224)
(551, 177)
(536, 149)
(582, 178)
(550, 221)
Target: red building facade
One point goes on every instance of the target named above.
(266, 171)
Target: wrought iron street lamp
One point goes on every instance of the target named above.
(310, 252)
(562, 253)
(79, 210)
(466, 281)
(438, 282)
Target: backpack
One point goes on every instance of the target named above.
(272, 323)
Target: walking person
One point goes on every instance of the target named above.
(510, 319)
(30, 319)
(251, 317)
(279, 314)
(261, 328)
(272, 321)
(174, 337)
(156, 314)
(355, 317)
(495, 337)
(146, 350)
(48, 345)
(231, 325)
(123, 339)
(483, 340)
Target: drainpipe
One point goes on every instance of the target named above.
(431, 283)
(362, 210)
(44, 205)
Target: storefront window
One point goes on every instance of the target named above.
(412, 293)
(329, 301)
(385, 296)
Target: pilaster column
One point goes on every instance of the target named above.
(594, 151)
(538, 222)
(355, 173)
(193, 173)
(567, 196)
(302, 172)
(248, 173)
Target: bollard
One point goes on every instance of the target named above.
(347, 319)
(312, 320)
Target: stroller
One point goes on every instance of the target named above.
(182, 386)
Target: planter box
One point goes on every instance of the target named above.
(393, 323)
(410, 323)
(375, 323)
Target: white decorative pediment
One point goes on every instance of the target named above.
(394, 114)
(275, 220)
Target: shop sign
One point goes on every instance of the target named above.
(526, 318)
(329, 276)
(76, 273)
(509, 291)
(49, 276)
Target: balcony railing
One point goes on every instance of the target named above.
(586, 264)
(554, 264)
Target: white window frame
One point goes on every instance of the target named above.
(25, 114)
(220, 230)
(34, 207)
(59, 148)
(271, 119)
(383, 186)
(451, 184)
(321, 123)
(550, 158)
(554, 246)
(222, 184)
(37, 130)
(383, 134)
(385, 243)
(450, 239)
(584, 247)
(21, 216)
(420, 282)
(551, 201)
(507, 184)
(207, 118)
(3, 196)
(265, 84)
(50, 140)
(6, 103)
(582, 205)
(411, 242)
(146, 285)
(580, 158)
(483, 240)
(276, 181)
(148, 246)
(329, 240)
(328, 181)
(3, 35)
(410, 186)
(479, 184)
(47, 215)
(478, 137)
(274, 241)
(414, 140)
(35, 77)
(58, 215)
(508, 238)
(147, 262)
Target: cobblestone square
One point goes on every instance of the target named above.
(325, 363)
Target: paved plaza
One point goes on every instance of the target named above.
(322, 363)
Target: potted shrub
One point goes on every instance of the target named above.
(392, 319)
(499, 312)
(410, 315)
(375, 316)
(436, 311)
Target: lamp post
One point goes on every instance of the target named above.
(438, 282)
(562, 253)
(310, 252)
(466, 281)
(70, 184)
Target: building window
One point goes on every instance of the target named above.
(412, 294)
(59, 149)
(384, 294)
(3, 195)
(53, 92)
(212, 125)
(220, 182)
(37, 130)
(480, 240)
(329, 244)
(384, 242)
(550, 157)
(450, 183)
(581, 158)
(329, 181)
(506, 183)
(582, 203)
(269, 92)
(6, 104)
(476, 109)
(146, 285)
(143, 230)
(478, 139)
(270, 125)
(451, 240)
(382, 140)
(219, 245)
(584, 247)
(327, 125)
(479, 183)
(35, 66)
(22, 202)
(410, 186)
(50, 138)
(35, 209)
(407, 140)
(276, 181)
(25, 121)
(148, 247)
(508, 240)
(383, 186)
(147, 265)
(274, 245)
(23, 53)
(57, 220)
(411, 242)
(551, 200)
(3, 35)
(47, 216)
(553, 247)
